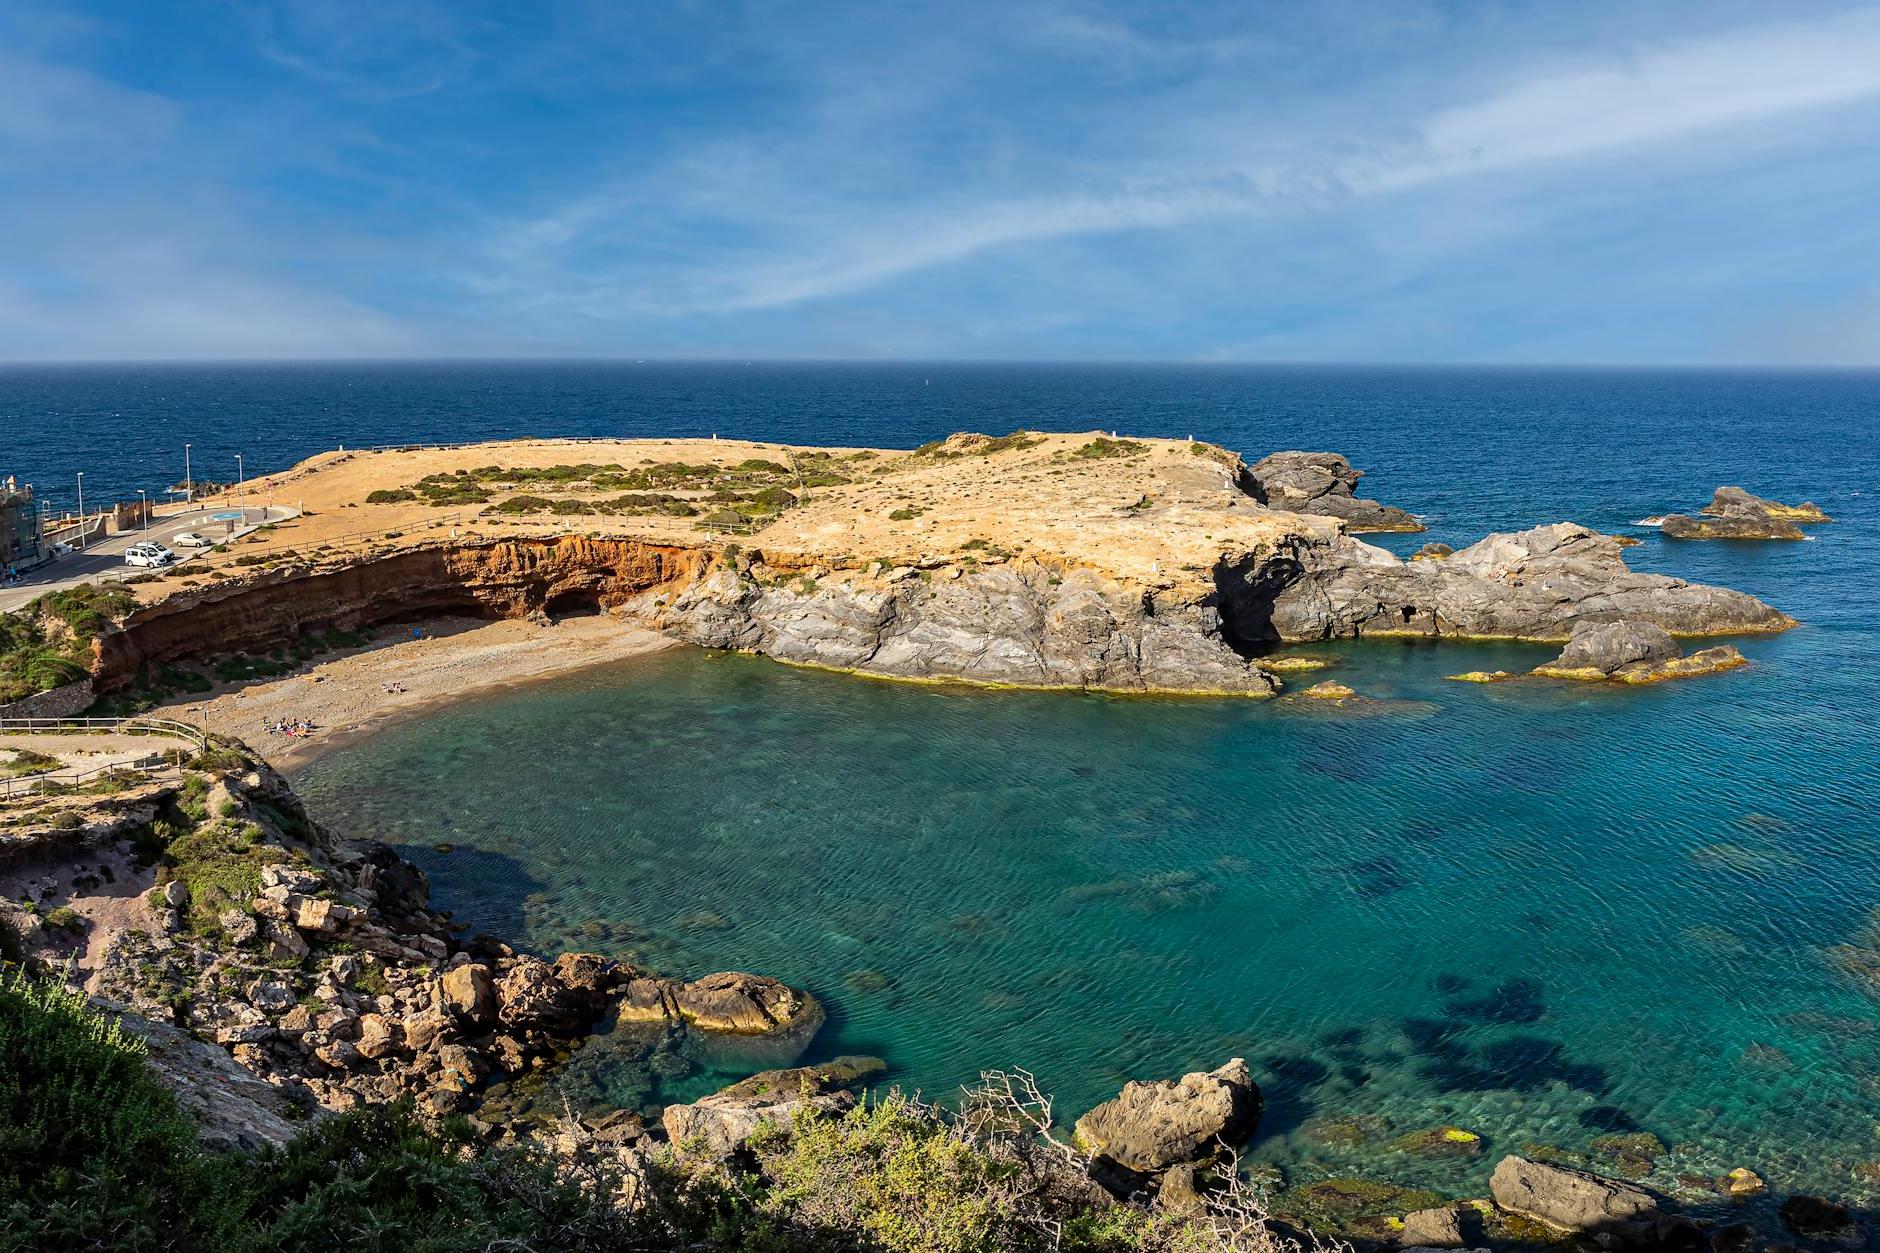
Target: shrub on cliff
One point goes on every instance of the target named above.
(93, 1149)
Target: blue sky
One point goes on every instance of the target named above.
(1396, 181)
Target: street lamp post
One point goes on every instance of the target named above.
(81, 508)
(241, 485)
(143, 509)
(189, 482)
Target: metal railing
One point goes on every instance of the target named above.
(135, 725)
(65, 778)
(68, 779)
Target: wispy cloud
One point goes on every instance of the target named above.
(1606, 105)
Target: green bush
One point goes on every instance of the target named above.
(93, 1149)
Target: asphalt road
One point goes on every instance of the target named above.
(106, 556)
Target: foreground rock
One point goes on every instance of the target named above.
(1633, 652)
(1576, 1201)
(1735, 514)
(720, 1124)
(1155, 1125)
(1325, 483)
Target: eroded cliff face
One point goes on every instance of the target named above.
(1012, 624)
(498, 578)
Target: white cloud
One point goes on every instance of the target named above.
(783, 244)
(1651, 97)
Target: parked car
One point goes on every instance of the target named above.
(192, 539)
(148, 555)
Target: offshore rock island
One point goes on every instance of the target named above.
(1074, 561)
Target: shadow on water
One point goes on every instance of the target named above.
(493, 888)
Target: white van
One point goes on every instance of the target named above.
(148, 555)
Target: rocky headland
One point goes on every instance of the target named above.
(1078, 561)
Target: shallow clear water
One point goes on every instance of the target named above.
(1540, 912)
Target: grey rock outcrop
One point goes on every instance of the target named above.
(1017, 624)
(1324, 483)
(1606, 646)
(1735, 514)
(1633, 652)
(1536, 584)
(1151, 1126)
(1682, 526)
(1439, 1228)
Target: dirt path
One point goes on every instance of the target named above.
(351, 694)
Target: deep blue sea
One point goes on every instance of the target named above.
(1544, 913)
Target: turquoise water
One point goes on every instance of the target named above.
(1538, 912)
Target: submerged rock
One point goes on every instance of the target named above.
(1156, 1124)
(1816, 1218)
(1633, 652)
(1579, 1201)
(1324, 483)
(1330, 689)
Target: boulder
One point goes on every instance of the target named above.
(562, 997)
(1324, 483)
(1439, 1228)
(240, 927)
(1572, 1200)
(1604, 647)
(379, 1036)
(470, 995)
(1156, 1124)
(744, 1004)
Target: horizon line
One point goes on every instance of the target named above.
(1086, 362)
